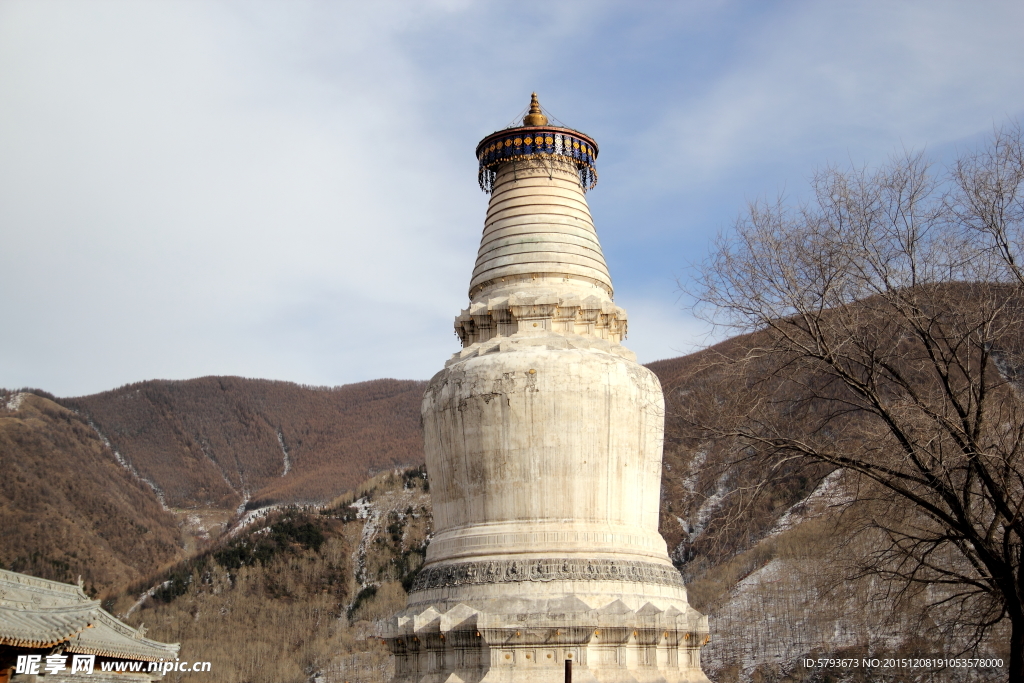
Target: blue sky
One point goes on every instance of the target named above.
(287, 189)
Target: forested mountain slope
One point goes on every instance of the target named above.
(773, 570)
(792, 558)
(115, 486)
(228, 441)
(67, 508)
(303, 585)
(703, 519)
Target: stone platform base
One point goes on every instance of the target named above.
(614, 644)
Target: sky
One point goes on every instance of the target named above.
(287, 190)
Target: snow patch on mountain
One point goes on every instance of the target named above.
(828, 494)
(251, 517)
(123, 462)
(14, 401)
(142, 598)
(693, 471)
(372, 514)
(284, 451)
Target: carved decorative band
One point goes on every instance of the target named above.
(507, 571)
(536, 142)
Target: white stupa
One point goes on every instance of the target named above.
(543, 441)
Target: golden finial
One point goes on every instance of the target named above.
(536, 116)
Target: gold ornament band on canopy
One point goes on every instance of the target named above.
(537, 140)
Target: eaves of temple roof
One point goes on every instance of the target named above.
(38, 613)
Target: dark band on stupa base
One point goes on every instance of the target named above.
(507, 571)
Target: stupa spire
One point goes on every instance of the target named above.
(536, 116)
(539, 240)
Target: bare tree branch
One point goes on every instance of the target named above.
(884, 325)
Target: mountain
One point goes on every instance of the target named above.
(228, 442)
(117, 485)
(89, 475)
(67, 508)
(776, 552)
(301, 586)
(702, 520)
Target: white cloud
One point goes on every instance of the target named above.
(169, 187)
(287, 189)
(839, 79)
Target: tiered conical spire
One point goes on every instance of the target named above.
(539, 247)
(538, 224)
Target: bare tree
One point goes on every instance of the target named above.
(886, 318)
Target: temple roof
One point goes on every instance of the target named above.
(38, 613)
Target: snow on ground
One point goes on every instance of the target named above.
(693, 471)
(372, 514)
(710, 504)
(787, 608)
(363, 508)
(14, 401)
(245, 499)
(708, 508)
(123, 462)
(764, 620)
(197, 527)
(284, 451)
(251, 517)
(145, 596)
(828, 494)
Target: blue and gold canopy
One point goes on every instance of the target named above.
(537, 141)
